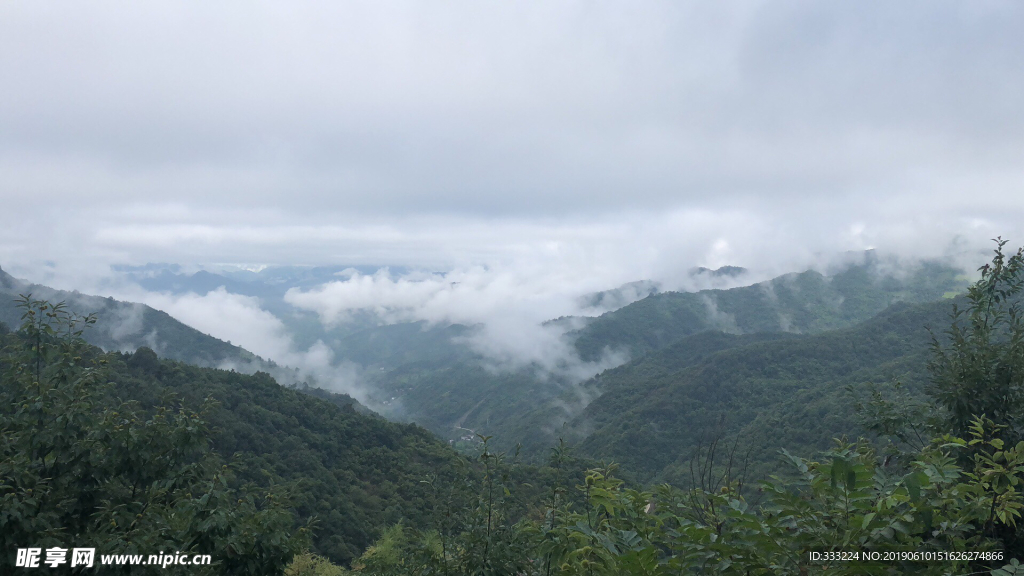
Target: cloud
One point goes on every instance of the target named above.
(237, 319)
(519, 155)
(723, 321)
(506, 306)
(242, 321)
(127, 321)
(518, 109)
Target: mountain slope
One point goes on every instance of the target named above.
(128, 326)
(806, 302)
(772, 392)
(353, 473)
(356, 473)
(449, 392)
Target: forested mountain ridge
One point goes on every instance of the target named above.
(455, 390)
(352, 473)
(128, 326)
(430, 375)
(802, 302)
(771, 391)
(358, 473)
(355, 472)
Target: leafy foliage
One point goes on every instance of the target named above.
(308, 564)
(79, 468)
(846, 501)
(981, 371)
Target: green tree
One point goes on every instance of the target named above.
(79, 468)
(981, 368)
(475, 534)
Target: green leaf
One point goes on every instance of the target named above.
(867, 520)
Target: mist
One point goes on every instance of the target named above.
(497, 165)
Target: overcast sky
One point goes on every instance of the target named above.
(620, 139)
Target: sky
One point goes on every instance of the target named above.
(571, 145)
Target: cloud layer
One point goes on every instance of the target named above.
(312, 110)
(518, 154)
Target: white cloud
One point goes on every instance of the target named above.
(506, 306)
(508, 109)
(530, 152)
(237, 319)
(242, 321)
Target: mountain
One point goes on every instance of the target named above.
(769, 391)
(128, 326)
(431, 375)
(262, 281)
(353, 473)
(431, 379)
(630, 292)
(803, 302)
(356, 472)
(619, 297)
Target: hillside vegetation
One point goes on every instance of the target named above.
(354, 473)
(695, 420)
(436, 381)
(806, 302)
(766, 391)
(324, 473)
(128, 326)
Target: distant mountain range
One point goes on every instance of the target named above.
(426, 375)
(680, 361)
(269, 285)
(128, 326)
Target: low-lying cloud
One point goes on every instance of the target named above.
(242, 321)
(506, 307)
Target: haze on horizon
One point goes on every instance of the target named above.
(531, 151)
